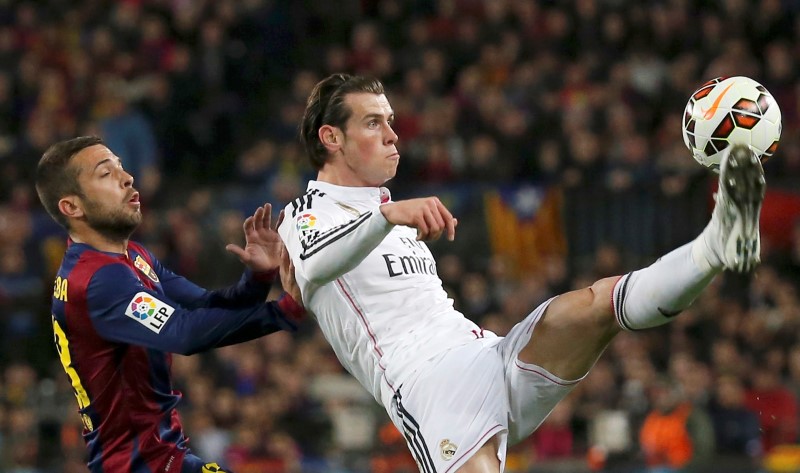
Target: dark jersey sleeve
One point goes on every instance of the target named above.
(251, 288)
(123, 310)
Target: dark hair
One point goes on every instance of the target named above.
(326, 106)
(55, 178)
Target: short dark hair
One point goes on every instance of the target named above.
(55, 178)
(326, 106)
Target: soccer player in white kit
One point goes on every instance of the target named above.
(460, 394)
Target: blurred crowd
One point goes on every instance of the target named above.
(201, 99)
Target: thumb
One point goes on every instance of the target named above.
(237, 250)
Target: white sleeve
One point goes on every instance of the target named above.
(323, 249)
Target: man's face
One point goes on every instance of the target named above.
(370, 144)
(110, 203)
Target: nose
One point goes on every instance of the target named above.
(391, 136)
(127, 179)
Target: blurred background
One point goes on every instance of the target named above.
(550, 128)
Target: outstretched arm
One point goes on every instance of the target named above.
(261, 256)
(123, 310)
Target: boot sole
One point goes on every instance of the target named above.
(743, 179)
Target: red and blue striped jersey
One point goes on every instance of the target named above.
(117, 319)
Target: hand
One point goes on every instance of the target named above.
(428, 215)
(288, 281)
(262, 251)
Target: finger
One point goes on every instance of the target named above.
(422, 228)
(440, 214)
(237, 250)
(247, 225)
(449, 221)
(434, 214)
(424, 232)
(451, 229)
(266, 223)
(434, 228)
(443, 211)
(435, 224)
(280, 219)
(258, 218)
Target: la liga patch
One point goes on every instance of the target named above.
(149, 311)
(305, 222)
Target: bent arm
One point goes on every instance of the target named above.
(328, 251)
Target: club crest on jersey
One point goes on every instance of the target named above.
(306, 222)
(87, 422)
(145, 268)
(448, 449)
(149, 311)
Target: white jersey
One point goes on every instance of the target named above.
(371, 285)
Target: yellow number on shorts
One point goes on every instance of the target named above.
(62, 345)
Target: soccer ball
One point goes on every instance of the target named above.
(730, 110)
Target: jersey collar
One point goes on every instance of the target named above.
(373, 194)
(76, 248)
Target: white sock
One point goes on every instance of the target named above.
(702, 252)
(654, 295)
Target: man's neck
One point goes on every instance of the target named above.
(100, 242)
(338, 178)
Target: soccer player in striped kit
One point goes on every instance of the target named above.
(118, 314)
(460, 394)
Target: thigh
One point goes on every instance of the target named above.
(485, 459)
(572, 330)
(452, 407)
(533, 391)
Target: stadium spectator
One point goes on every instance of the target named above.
(776, 407)
(676, 435)
(736, 427)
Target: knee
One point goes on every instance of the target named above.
(602, 305)
(590, 307)
(602, 313)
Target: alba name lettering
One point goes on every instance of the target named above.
(60, 289)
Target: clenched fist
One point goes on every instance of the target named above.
(427, 214)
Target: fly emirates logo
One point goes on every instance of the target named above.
(419, 261)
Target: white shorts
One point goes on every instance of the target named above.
(460, 399)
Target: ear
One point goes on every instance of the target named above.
(71, 206)
(330, 137)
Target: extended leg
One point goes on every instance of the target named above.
(577, 326)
